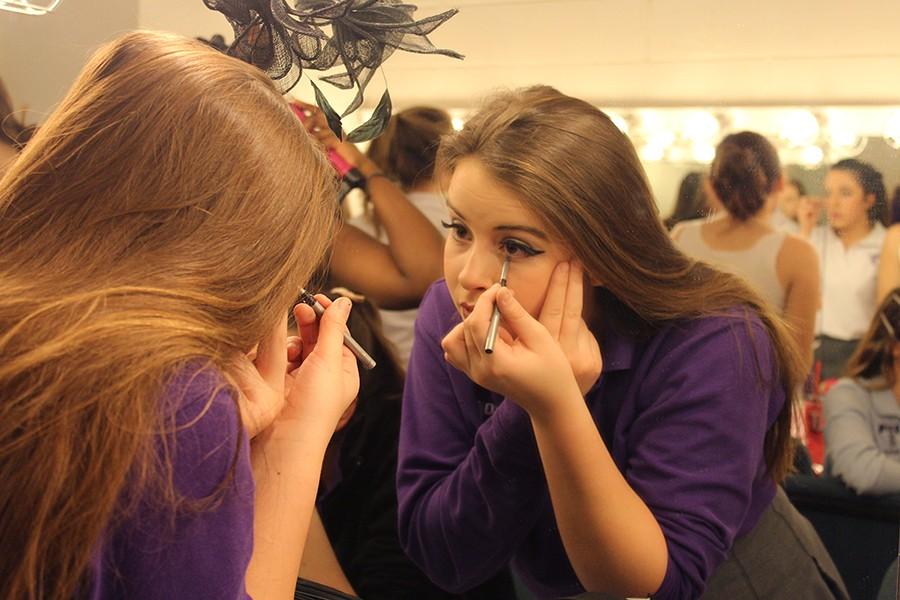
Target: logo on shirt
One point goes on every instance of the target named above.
(888, 432)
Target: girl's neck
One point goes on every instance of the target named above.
(760, 219)
(854, 233)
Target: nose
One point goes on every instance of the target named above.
(480, 270)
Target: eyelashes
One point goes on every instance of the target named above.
(512, 247)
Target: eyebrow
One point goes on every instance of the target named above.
(524, 228)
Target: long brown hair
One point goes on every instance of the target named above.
(407, 149)
(576, 171)
(872, 363)
(167, 212)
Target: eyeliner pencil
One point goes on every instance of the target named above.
(495, 316)
(358, 351)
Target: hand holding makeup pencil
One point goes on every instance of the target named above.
(295, 384)
(534, 361)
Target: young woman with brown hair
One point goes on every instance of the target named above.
(746, 179)
(152, 235)
(628, 431)
(849, 247)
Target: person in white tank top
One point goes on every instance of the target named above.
(745, 178)
(406, 153)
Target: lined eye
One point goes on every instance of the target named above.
(458, 231)
(514, 248)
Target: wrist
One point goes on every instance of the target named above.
(562, 408)
(294, 436)
(366, 166)
(373, 176)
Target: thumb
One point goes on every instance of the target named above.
(519, 323)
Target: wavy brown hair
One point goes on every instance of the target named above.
(872, 363)
(577, 172)
(407, 149)
(167, 213)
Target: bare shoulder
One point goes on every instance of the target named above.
(892, 236)
(798, 252)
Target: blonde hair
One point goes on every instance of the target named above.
(577, 172)
(167, 213)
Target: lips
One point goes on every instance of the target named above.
(466, 308)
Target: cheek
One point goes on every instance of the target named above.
(530, 285)
(853, 210)
(453, 262)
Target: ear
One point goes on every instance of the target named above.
(870, 200)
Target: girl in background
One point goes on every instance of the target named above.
(849, 248)
(862, 411)
(406, 154)
(746, 179)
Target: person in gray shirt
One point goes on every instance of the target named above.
(862, 411)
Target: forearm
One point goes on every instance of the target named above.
(319, 562)
(414, 242)
(462, 524)
(611, 537)
(287, 477)
(866, 469)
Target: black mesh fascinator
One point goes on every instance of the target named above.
(283, 40)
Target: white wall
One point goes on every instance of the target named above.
(612, 52)
(187, 17)
(40, 56)
(634, 52)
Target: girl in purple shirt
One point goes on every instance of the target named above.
(160, 437)
(628, 432)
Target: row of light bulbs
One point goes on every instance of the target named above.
(806, 137)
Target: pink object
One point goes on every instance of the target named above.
(337, 161)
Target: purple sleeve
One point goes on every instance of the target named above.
(191, 553)
(695, 448)
(466, 493)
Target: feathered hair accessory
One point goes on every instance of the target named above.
(283, 40)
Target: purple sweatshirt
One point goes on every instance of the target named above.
(684, 415)
(206, 554)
